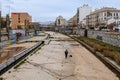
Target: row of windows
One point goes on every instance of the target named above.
(18, 18)
(111, 14)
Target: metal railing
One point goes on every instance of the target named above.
(12, 61)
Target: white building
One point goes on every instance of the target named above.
(82, 12)
(60, 21)
(114, 20)
(103, 17)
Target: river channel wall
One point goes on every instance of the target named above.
(112, 38)
(16, 58)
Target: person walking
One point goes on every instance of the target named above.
(66, 53)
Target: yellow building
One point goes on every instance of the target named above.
(20, 20)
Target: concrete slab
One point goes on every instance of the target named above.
(49, 63)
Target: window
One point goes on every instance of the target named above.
(109, 14)
(105, 14)
(114, 14)
(18, 21)
(117, 14)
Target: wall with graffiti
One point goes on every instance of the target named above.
(108, 37)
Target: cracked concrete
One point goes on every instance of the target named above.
(49, 63)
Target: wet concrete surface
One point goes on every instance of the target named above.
(49, 63)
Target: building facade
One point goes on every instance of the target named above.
(20, 20)
(82, 12)
(102, 17)
(60, 21)
(73, 21)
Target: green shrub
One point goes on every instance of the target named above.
(9, 71)
(22, 62)
(117, 58)
(109, 54)
(1, 78)
(108, 50)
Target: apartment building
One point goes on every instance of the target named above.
(100, 17)
(73, 21)
(20, 20)
(82, 12)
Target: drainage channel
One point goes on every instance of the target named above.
(5, 67)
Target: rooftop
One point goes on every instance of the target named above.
(105, 9)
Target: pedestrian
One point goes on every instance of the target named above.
(66, 53)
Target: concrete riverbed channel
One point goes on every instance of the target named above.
(49, 63)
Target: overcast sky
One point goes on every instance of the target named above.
(48, 10)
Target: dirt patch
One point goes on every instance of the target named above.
(7, 53)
